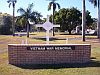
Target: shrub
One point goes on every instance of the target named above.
(5, 30)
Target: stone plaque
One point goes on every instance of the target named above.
(51, 48)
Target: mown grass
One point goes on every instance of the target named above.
(91, 69)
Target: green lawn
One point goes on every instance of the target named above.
(91, 69)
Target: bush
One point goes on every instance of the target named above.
(5, 30)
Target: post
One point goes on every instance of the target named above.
(83, 20)
(66, 40)
(98, 21)
(26, 41)
(47, 37)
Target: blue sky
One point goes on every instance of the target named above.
(42, 5)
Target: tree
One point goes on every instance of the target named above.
(13, 2)
(89, 20)
(27, 15)
(94, 24)
(68, 18)
(38, 18)
(97, 4)
(54, 4)
(6, 29)
(20, 23)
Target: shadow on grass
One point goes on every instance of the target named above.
(68, 34)
(51, 38)
(77, 34)
(93, 41)
(23, 34)
(92, 63)
(93, 57)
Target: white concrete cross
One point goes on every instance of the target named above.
(47, 26)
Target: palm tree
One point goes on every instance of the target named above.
(97, 4)
(13, 2)
(54, 4)
(83, 20)
(27, 15)
(21, 23)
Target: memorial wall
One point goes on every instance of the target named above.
(21, 54)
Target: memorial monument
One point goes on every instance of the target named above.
(31, 54)
(47, 26)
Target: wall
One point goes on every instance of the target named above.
(21, 54)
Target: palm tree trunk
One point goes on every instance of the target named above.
(13, 23)
(53, 20)
(98, 22)
(27, 29)
(83, 20)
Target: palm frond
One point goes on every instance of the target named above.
(12, 1)
(37, 14)
(58, 5)
(49, 6)
(30, 6)
(33, 14)
(9, 5)
(21, 21)
(8, 1)
(21, 10)
(94, 2)
(15, 1)
(28, 14)
(52, 0)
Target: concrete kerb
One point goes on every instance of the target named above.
(69, 39)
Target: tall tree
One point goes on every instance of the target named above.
(89, 20)
(13, 2)
(83, 20)
(54, 5)
(5, 29)
(68, 18)
(20, 23)
(97, 4)
(27, 14)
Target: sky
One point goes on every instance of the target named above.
(42, 5)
